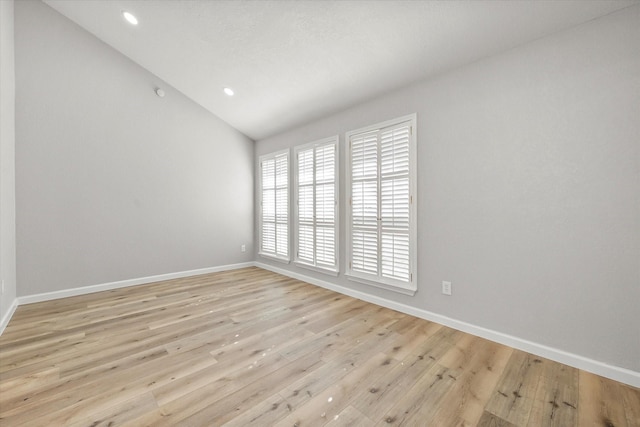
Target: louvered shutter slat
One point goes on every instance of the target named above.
(395, 150)
(305, 243)
(325, 245)
(282, 239)
(325, 205)
(268, 237)
(364, 156)
(395, 256)
(395, 203)
(305, 167)
(268, 174)
(282, 207)
(305, 204)
(364, 251)
(364, 195)
(325, 164)
(282, 176)
(269, 205)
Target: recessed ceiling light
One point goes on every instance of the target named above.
(228, 91)
(130, 18)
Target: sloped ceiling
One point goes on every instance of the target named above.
(290, 62)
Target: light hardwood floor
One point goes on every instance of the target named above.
(250, 347)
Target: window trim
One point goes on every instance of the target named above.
(369, 279)
(298, 262)
(269, 255)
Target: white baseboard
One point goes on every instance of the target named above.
(7, 316)
(47, 296)
(616, 373)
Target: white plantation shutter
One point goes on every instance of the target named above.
(316, 199)
(268, 244)
(394, 202)
(274, 216)
(364, 203)
(305, 207)
(381, 232)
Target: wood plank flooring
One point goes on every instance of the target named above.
(253, 348)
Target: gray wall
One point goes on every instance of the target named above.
(528, 189)
(113, 182)
(7, 159)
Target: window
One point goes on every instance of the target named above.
(381, 229)
(316, 202)
(274, 205)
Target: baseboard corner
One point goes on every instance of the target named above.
(7, 316)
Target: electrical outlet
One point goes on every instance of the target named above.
(446, 288)
(243, 248)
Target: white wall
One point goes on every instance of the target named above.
(528, 190)
(113, 182)
(7, 162)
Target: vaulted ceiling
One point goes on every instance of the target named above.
(290, 62)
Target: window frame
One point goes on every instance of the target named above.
(408, 288)
(335, 140)
(274, 255)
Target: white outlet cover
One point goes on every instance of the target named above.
(446, 288)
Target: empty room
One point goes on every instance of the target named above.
(319, 213)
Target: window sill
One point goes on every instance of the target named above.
(408, 290)
(316, 268)
(275, 258)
